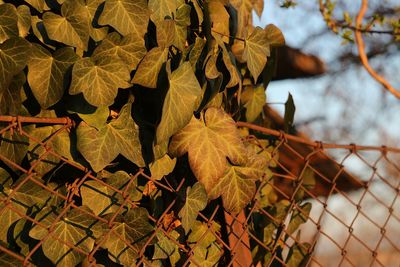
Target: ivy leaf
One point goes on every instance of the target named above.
(237, 186)
(274, 35)
(8, 22)
(28, 195)
(46, 73)
(126, 16)
(14, 54)
(129, 48)
(102, 199)
(13, 146)
(298, 255)
(97, 119)
(162, 167)
(299, 217)
(7, 260)
(288, 118)
(196, 200)
(55, 138)
(148, 70)
(253, 99)
(134, 228)
(208, 142)
(256, 51)
(71, 28)
(24, 20)
(39, 5)
(100, 147)
(10, 97)
(180, 102)
(207, 257)
(99, 78)
(166, 33)
(196, 51)
(76, 227)
(91, 7)
(219, 19)
(201, 235)
(162, 8)
(166, 248)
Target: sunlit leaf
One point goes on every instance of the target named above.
(299, 217)
(256, 51)
(126, 16)
(298, 255)
(196, 200)
(8, 22)
(253, 99)
(274, 35)
(148, 70)
(130, 49)
(196, 51)
(46, 73)
(161, 8)
(202, 235)
(132, 228)
(39, 5)
(162, 167)
(120, 136)
(207, 257)
(219, 19)
(56, 139)
(24, 20)
(71, 28)
(208, 142)
(14, 54)
(99, 78)
(75, 227)
(92, 7)
(180, 102)
(103, 199)
(166, 248)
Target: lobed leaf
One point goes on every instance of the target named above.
(253, 99)
(180, 102)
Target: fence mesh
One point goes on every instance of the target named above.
(324, 205)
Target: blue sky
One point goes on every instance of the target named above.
(370, 112)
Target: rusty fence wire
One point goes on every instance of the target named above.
(325, 205)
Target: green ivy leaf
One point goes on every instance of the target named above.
(196, 200)
(28, 195)
(92, 7)
(10, 97)
(166, 248)
(76, 227)
(55, 139)
(97, 119)
(126, 16)
(253, 99)
(298, 255)
(24, 20)
(129, 48)
(201, 235)
(161, 167)
(208, 142)
(8, 22)
(256, 51)
(162, 8)
(46, 73)
(219, 19)
(134, 228)
(166, 33)
(102, 199)
(120, 136)
(39, 5)
(290, 110)
(99, 78)
(274, 35)
(237, 186)
(180, 102)
(207, 257)
(299, 217)
(148, 70)
(71, 28)
(14, 54)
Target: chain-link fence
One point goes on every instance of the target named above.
(323, 205)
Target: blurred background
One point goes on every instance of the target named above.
(346, 105)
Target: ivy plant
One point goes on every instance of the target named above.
(155, 86)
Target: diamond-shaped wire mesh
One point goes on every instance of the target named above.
(325, 205)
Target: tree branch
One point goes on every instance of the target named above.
(361, 50)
